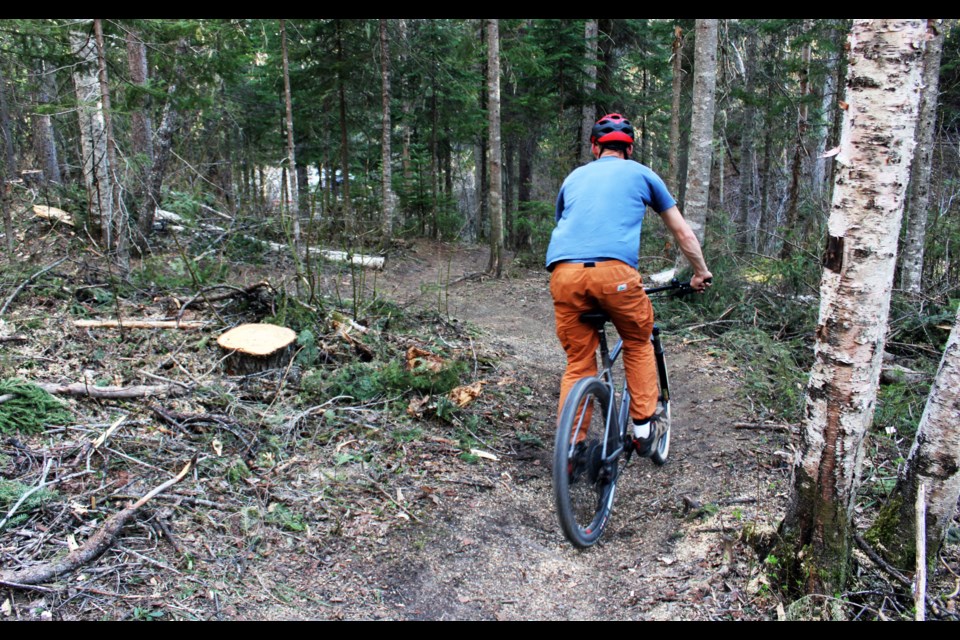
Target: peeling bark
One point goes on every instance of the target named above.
(875, 153)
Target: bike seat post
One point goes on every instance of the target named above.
(604, 350)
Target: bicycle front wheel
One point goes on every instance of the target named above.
(583, 485)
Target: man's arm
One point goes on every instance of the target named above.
(689, 245)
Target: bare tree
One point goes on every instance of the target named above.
(493, 148)
(701, 131)
(874, 160)
(387, 196)
(93, 139)
(589, 111)
(293, 197)
(919, 194)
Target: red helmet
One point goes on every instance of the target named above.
(612, 127)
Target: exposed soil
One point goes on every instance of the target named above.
(495, 550)
(425, 535)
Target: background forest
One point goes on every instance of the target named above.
(299, 136)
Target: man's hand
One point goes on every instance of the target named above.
(701, 281)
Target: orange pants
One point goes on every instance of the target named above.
(617, 288)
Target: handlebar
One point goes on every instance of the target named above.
(682, 288)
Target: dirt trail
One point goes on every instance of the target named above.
(495, 550)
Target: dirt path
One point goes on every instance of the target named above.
(493, 548)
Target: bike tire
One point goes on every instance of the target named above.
(661, 452)
(583, 500)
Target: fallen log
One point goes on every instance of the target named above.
(139, 324)
(111, 393)
(94, 547)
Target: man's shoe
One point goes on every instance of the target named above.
(646, 446)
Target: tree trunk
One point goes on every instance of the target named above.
(348, 221)
(161, 155)
(701, 131)
(44, 141)
(791, 233)
(589, 111)
(387, 195)
(93, 140)
(293, 195)
(934, 461)
(673, 165)
(495, 266)
(746, 234)
(119, 225)
(919, 193)
(141, 127)
(6, 130)
(874, 161)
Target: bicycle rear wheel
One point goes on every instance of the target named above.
(662, 449)
(583, 486)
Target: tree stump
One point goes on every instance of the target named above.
(256, 347)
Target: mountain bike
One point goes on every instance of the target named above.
(594, 439)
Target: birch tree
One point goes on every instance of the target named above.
(701, 130)
(876, 147)
(93, 139)
(494, 161)
(934, 461)
(919, 194)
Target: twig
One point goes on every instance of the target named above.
(17, 291)
(774, 426)
(94, 546)
(26, 494)
(873, 555)
(398, 505)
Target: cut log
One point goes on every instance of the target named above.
(52, 214)
(256, 347)
(139, 324)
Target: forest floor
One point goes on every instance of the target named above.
(353, 513)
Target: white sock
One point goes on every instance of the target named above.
(642, 430)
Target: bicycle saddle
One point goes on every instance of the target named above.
(596, 318)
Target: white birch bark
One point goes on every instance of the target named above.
(93, 137)
(877, 144)
(589, 111)
(934, 458)
(700, 153)
(919, 198)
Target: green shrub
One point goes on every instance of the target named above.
(30, 409)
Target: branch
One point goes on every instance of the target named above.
(17, 291)
(94, 547)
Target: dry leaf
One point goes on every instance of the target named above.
(5, 608)
(417, 406)
(217, 446)
(464, 395)
(417, 357)
(843, 105)
(72, 542)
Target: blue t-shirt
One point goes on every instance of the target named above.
(600, 210)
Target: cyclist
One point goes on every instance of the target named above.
(593, 260)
